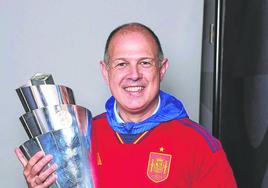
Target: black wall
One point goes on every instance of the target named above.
(244, 90)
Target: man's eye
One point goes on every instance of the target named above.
(120, 65)
(146, 63)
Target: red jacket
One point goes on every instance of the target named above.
(177, 153)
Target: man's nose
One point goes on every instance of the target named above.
(134, 72)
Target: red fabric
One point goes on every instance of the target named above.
(180, 154)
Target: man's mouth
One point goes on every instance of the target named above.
(134, 88)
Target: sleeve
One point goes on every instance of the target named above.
(214, 172)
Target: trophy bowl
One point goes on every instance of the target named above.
(57, 126)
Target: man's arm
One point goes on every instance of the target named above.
(215, 172)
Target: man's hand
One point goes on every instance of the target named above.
(35, 172)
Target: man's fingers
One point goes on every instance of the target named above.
(39, 155)
(37, 168)
(45, 174)
(50, 180)
(21, 157)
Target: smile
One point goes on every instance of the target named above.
(134, 89)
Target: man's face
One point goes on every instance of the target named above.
(133, 73)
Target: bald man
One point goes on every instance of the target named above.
(145, 138)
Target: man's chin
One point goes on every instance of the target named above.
(133, 109)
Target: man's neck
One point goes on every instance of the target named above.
(123, 116)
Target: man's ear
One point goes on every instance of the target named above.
(163, 68)
(104, 71)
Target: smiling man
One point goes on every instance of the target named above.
(145, 138)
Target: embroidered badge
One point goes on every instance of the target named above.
(158, 166)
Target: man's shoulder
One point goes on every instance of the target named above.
(195, 133)
(99, 117)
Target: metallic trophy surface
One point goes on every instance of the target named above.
(36, 96)
(57, 126)
(68, 152)
(45, 119)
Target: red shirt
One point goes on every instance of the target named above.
(178, 153)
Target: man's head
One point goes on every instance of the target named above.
(133, 67)
(132, 27)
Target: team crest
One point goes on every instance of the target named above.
(158, 166)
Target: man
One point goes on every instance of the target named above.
(145, 138)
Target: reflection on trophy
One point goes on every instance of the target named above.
(58, 127)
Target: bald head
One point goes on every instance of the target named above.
(130, 28)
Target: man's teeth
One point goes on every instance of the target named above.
(134, 89)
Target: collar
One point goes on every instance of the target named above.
(169, 108)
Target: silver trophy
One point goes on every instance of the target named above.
(58, 127)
